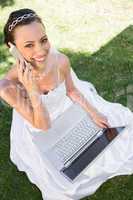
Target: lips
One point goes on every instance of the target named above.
(39, 59)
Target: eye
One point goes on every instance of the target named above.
(29, 45)
(44, 40)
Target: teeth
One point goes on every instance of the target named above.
(41, 59)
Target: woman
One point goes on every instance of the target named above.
(39, 91)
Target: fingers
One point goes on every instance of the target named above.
(101, 125)
(24, 71)
(20, 65)
(19, 70)
(104, 125)
(28, 73)
(102, 122)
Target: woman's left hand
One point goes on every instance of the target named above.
(25, 76)
(99, 119)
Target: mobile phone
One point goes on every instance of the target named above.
(16, 53)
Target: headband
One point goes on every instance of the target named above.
(19, 19)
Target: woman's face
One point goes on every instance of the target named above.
(32, 42)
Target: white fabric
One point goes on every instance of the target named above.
(116, 160)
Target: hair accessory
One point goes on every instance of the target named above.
(19, 19)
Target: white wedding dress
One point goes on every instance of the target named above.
(117, 159)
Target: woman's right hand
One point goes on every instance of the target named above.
(25, 76)
(100, 119)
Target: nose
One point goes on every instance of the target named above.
(41, 49)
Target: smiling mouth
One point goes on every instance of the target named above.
(39, 59)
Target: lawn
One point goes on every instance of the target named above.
(98, 38)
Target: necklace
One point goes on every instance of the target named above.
(41, 74)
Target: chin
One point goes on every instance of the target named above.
(37, 65)
(40, 64)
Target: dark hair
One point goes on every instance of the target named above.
(9, 35)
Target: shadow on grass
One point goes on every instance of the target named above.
(110, 70)
(4, 3)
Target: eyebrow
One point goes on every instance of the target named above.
(34, 41)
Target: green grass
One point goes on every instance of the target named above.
(98, 54)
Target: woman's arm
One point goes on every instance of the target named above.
(41, 115)
(31, 109)
(75, 95)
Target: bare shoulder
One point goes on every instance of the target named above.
(7, 87)
(5, 83)
(12, 73)
(64, 63)
(7, 91)
(12, 95)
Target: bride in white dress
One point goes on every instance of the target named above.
(43, 89)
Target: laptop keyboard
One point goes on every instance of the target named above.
(78, 137)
